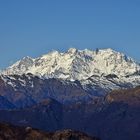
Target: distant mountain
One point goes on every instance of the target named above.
(9, 132)
(76, 75)
(96, 92)
(76, 64)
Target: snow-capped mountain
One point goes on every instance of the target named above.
(79, 83)
(98, 71)
(76, 64)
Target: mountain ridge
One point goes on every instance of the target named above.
(76, 64)
(59, 76)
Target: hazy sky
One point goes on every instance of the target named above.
(34, 27)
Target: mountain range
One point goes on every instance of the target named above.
(76, 64)
(68, 77)
(93, 91)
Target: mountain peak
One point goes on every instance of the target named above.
(72, 50)
(109, 50)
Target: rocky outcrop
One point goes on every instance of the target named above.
(9, 132)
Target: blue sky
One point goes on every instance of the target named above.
(34, 27)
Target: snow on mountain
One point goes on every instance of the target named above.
(80, 75)
(19, 67)
(76, 64)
